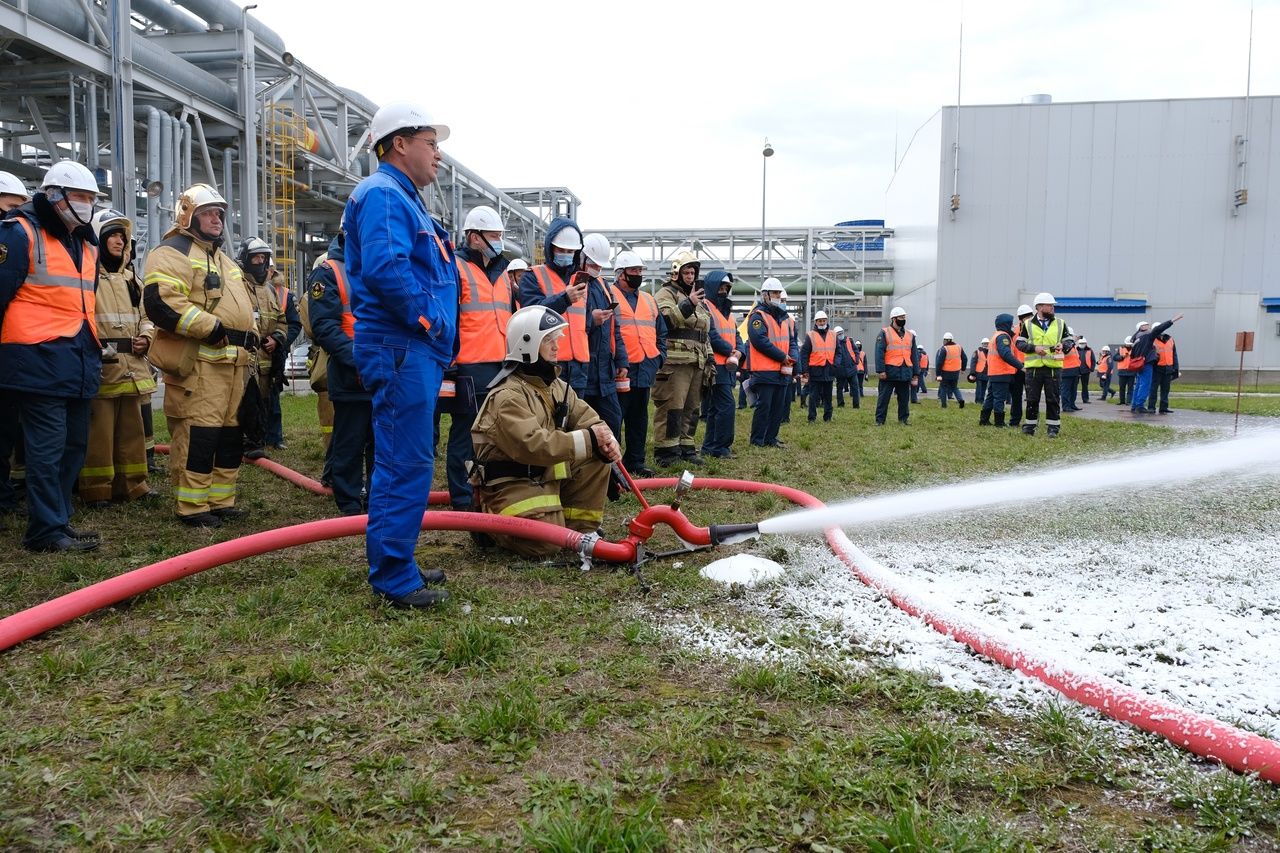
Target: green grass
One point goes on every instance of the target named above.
(1267, 406)
(272, 703)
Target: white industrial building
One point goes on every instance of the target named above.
(1124, 210)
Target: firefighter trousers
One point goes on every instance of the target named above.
(115, 464)
(677, 403)
(204, 450)
(576, 502)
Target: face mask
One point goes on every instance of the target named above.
(900, 322)
(83, 210)
(562, 259)
(592, 270)
(258, 271)
(822, 327)
(635, 280)
(492, 249)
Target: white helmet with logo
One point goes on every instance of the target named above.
(899, 311)
(483, 218)
(402, 115)
(771, 285)
(821, 315)
(626, 260)
(567, 238)
(112, 220)
(1024, 310)
(518, 265)
(192, 199)
(10, 185)
(597, 249)
(947, 336)
(70, 175)
(1045, 298)
(526, 330)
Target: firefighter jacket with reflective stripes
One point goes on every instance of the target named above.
(818, 354)
(637, 319)
(484, 307)
(268, 322)
(897, 355)
(65, 366)
(186, 301)
(517, 424)
(688, 326)
(333, 326)
(120, 319)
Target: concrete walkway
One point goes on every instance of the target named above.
(1223, 422)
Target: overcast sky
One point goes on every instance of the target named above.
(655, 113)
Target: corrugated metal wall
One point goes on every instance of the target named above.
(1100, 199)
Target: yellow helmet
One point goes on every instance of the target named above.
(192, 199)
(682, 260)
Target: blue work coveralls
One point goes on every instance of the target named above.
(404, 294)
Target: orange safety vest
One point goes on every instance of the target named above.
(1071, 359)
(484, 307)
(1087, 360)
(862, 360)
(1013, 344)
(897, 353)
(639, 325)
(55, 299)
(576, 315)
(348, 319)
(853, 354)
(952, 361)
(997, 366)
(821, 352)
(1165, 351)
(1104, 363)
(723, 326)
(980, 361)
(924, 360)
(282, 298)
(779, 336)
(1123, 362)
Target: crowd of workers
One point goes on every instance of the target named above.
(548, 373)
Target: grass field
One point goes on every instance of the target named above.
(1269, 406)
(272, 704)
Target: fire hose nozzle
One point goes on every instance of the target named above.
(732, 534)
(683, 485)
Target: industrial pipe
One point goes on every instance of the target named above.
(153, 174)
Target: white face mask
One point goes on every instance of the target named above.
(82, 209)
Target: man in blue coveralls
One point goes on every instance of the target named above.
(404, 295)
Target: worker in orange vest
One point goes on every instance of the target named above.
(978, 373)
(1088, 361)
(645, 336)
(13, 194)
(485, 304)
(846, 370)
(333, 327)
(1165, 372)
(1106, 367)
(772, 356)
(897, 364)
(726, 353)
(1018, 383)
(818, 365)
(951, 361)
(1125, 372)
(50, 356)
(922, 372)
(1069, 377)
(1002, 366)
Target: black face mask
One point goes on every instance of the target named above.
(258, 271)
(900, 322)
(635, 281)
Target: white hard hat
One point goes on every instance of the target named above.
(1045, 298)
(857, 343)
(567, 238)
(1024, 310)
(782, 291)
(899, 311)
(526, 329)
(70, 175)
(839, 330)
(821, 315)
(1083, 340)
(984, 341)
(627, 259)
(1106, 348)
(1142, 323)
(255, 246)
(1128, 341)
(771, 285)
(913, 331)
(947, 336)
(403, 115)
(108, 219)
(483, 218)
(517, 265)
(597, 249)
(10, 185)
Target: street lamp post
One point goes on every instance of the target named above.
(764, 184)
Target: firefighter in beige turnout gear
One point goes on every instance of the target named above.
(540, 451)
(115, 464)
(272, 331)
(196, 296)
(677, 389)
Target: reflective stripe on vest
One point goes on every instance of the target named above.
(282, 298)
(1104, 364)
(997, 366)
(484, 308)
(1047, 338)
(55, 299)
(1071, 359)
(348, 319)
(1165, 350)
(1013, 345)
(722, 326)
(897, 349)
(980, 361)
(952, 361)
(639, 325)
(862, 360)
(822, 352)
(575, 314)
(779, 336)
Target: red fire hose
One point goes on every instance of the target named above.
(1200, 734)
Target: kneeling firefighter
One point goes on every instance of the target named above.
(540, 451)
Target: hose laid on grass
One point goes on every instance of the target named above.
(1242, 751)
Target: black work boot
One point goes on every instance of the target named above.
(1028, 429)
(984, 419)
(1053, 432)
(961, 402)
(689, 456)
(666, 457)
(1000, 419)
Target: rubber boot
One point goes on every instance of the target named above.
(984, 419)
(1000, 419)
(665, 457)
(1028, 429)
(961, 402)
(152, 467)
(1053, 432)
